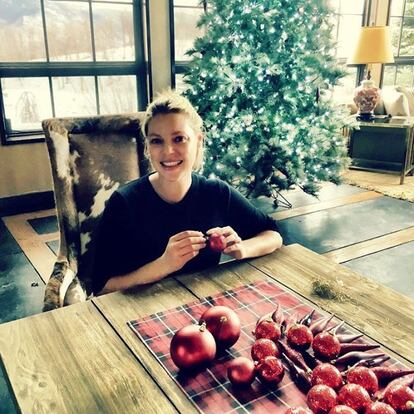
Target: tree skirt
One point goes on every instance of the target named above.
(387, 184)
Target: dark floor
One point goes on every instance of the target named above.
(21, 289)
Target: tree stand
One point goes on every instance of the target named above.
(279, 200)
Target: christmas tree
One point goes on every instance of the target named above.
(259, 79)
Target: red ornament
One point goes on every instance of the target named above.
(262, 348)
(321, 399)
(270, 370)
(217, 242)
(268, 329)
(299, 336)
(326, 346)
(342, 409)
(400, 397)
(354, 396)
(380, 408)
(364, 377)
(192, 346)
(224, 324)
(327, 374)
(241, 371)
(298, 410)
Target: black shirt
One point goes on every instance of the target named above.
(137, 224)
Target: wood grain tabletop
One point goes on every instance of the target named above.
(85, 358)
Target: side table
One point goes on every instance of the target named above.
(384, 145)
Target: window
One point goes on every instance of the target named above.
(184, 14)
(349, 16)
(401, 21)
(68, 58)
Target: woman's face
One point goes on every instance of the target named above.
(173, 146)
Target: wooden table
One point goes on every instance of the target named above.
(85, 359)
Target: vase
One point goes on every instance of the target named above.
(366, 97)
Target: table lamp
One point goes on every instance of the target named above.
(373, 46)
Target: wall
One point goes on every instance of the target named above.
(24, 168)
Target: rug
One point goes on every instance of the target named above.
(387, 184)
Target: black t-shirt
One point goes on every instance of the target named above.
(137, 224)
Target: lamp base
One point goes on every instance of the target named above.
(365, 117)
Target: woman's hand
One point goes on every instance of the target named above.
(181, 248)
(234, 244)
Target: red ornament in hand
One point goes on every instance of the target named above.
(224, 324)
(192, 346)
(321, 399)
(262, 348)
(327, 374)
(270, 370)
(241, 371)
(354, 396)
(364, 377)
(217, 242)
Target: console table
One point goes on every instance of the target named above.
(386, 145)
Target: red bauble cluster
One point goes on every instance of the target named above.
(196, 345)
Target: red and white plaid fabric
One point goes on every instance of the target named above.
(210, 390)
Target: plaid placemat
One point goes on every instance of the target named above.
(210, 390)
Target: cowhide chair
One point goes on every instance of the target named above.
(90, 158)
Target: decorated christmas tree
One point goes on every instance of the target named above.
(260, 79)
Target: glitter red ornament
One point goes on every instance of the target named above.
(321, 399)
(299, 336)
(327, 374)
(326, 346)
(354, 396)
(342, 409)
(268, 329)
(400, 397)
(380, 408)
(364, 377)
(270, 370)
(262, 348)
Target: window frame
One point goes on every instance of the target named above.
(398, 61)
(47, 69)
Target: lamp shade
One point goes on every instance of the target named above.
(373, 46)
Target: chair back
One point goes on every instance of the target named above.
(90, 158)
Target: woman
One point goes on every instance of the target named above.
(159, 224)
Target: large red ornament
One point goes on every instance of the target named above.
(241, 371)
(217, 242)
(268, 329)
(224, 324)
(270, 370)
(299, 336)
(192, 346)
(262, 348)
(380, 408)
(342, 409)
(327, 374)
(321, 399)
(354, 396)
(364, 377)
(326, 346)
(400, 397)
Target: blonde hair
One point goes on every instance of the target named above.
(171, 102)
